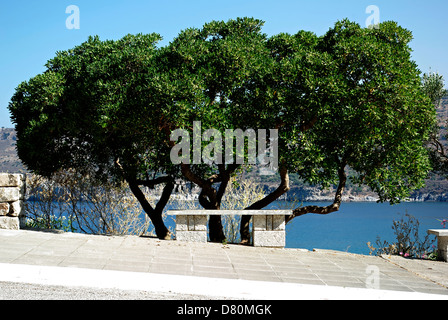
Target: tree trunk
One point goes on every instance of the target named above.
(215, 228)
(209, 198)
(154, 214)
(282, 189)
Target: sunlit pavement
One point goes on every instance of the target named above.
(213, 270)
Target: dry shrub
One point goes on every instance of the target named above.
(72, 202)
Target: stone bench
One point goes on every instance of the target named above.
(442, 242)
(268, 225)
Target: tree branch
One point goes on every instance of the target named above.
(328, 209)
(150, 183)
(187, 173)
(282, 189)
(155, 214)
(308, 125)
(439, 148)
(225, 177)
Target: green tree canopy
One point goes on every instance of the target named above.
(376, 118)
(96, 109)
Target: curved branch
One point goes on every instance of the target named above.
(187, 173)
(282, 189)
(440, 149)
(328, 209)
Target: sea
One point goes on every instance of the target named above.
(357, 223)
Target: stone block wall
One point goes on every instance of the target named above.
(12, 196)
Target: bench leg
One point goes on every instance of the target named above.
(269, 231)
(442, 246)
(191, 228)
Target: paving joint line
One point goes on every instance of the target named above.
(114, 253)
(272, 269)
(231, 263)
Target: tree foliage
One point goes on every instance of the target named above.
(96, 109)
(376, 118)
(433, 86)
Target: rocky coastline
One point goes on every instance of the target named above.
(311, 194)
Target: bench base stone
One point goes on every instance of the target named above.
(191, 228)
(269, 231)
(274, 239)
(191, 236)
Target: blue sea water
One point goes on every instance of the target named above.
(357, 223)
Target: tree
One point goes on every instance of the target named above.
(246, 84)
(433, 86)
(349, 99)
(98, 109)
(376, 118)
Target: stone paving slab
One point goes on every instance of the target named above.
(435, 271)
(211, 260)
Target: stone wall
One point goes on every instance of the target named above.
(12, 195)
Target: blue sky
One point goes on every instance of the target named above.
(31, 32)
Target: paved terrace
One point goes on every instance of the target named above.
(213, 270)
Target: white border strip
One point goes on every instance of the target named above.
(213, 287)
